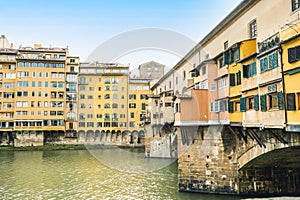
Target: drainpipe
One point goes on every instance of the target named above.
(283, 87)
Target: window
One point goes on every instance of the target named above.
(269, 62)
(131, 124)
(295, 4)
(81, 124)
(231, 55)
(250, 103)
(114, 88)
(82, 88)
(115, 96)
(40, 84)
(149, 69)
(294, 54)
(253, 29)
(291, 101)
(132, 105)
(132, 115)
(238, 78)
(107, 96)
(115, 80)
(114, 105)
(222, 83)
(143, 96)
(107, 80)
(132, 96)
(106, 88)
(231, 80)
(184, 75)
(213, 87)
(99, 115)
(177, 107)
(273, 101)
(249, 70)
(107, 105)
(143, 106)
(122, 115)
(225, 45)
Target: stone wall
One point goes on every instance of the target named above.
(230, 160)
(207, 160)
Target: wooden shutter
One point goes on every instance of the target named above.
(253, 69)
(230, 106)
(263, 103)
(232, 80)
(280, 100)
(291, 103)
(275, 60)
(256, 102)
(243, 104)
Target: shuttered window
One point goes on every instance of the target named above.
(263, 103)
(280, 100)
(269, 62)
(291, 103)
(230, 107)
(256, 102)
(294, 54)
(238, 78)
(243, 104)
(232, 80)
(249, 70)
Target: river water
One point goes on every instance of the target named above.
(76, 174)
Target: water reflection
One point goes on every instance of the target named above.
(78, 175)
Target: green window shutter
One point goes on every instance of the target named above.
(291, 103)
(243, 104)
(253, 69)
(230, 107)
(262, 64)
(266, 63)
(275, 60)
(256, 102)
(280, 100)
(263, 103)
(232, 80)
(270, 57)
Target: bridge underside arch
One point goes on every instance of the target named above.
(274, 173)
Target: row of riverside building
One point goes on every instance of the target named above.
(48, 96)
(242, 78)
(244, 73)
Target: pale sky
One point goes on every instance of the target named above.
(83, 25)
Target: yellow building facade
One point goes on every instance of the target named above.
(34, 96)
(290, 65)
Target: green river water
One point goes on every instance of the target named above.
(76, 174)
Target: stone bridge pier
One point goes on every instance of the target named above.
(231, 160)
